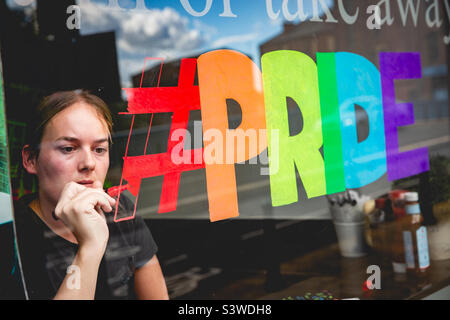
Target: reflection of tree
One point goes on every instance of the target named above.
(433, 187)
(439, 180)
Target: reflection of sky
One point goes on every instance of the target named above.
(165, 29)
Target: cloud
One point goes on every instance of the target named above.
(147, 30)
(144, 33)
(240, 38)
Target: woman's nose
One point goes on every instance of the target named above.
(87, 161)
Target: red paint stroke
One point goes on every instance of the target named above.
(180, 100)
(114, 191)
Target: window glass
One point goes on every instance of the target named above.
(239, 111)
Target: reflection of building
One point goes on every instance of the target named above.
(311, 37)
(169, 78)
(42, 58)
(51, 25)
(41, 55)
(169, 74)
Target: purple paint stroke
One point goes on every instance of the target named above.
(400, 66)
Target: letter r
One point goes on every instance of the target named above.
(293, 74)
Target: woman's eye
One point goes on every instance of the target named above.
(67, 149)
(100, 150)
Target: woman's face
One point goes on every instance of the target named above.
(74, 147)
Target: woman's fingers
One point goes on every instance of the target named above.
(100, 192)
(100, 211)
(70, 191)
(76, 196)
(82, 209)
(99, 186)
(96, 200)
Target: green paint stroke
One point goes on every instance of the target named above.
(331, 125)
(4, 172)
(293, 74)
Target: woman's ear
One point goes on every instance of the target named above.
(29, 159)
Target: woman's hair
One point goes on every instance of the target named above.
(57, 102)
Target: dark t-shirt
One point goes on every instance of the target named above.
(46, 256)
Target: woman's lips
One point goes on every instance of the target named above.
(86, 183)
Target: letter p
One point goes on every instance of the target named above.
(226, 74)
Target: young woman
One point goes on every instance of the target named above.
(69, 244)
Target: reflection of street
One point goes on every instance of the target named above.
(183, 283)
(433, 130)
(254, 189)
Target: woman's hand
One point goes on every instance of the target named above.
(81, 210)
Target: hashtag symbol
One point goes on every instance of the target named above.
(179, 100)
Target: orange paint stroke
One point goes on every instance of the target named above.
(226, 74)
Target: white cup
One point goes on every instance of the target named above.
(351, 238)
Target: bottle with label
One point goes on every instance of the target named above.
(394, 238)
(397, 249)
(415, 238)
(397, 198)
